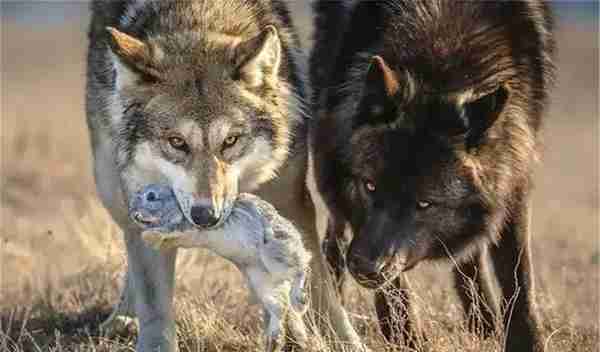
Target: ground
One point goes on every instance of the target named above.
(62, 259)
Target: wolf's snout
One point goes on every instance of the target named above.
(366, 272)
(360, 264)
(204, 215)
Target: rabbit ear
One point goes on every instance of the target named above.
(133, 58)
(262, 57)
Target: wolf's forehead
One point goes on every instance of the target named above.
(384, 148)
(186, 103)
(210, 120)
(212, 126)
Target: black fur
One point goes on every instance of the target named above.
(439, 164)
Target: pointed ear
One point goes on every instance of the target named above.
(133, 58)
(382, 78)
(262, 58)
(381, 87)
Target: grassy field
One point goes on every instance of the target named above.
(62, 259)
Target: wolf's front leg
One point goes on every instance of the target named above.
(152, 281)
(327, 309)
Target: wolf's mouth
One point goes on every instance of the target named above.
(395, 266)
(223, 218)
(185, 205)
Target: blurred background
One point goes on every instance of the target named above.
(55, 236)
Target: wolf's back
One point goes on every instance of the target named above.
(330, 26)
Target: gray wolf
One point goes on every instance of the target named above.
(423, 145)
(207, 97)
(263, 245)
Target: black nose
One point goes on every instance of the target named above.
(204, 215)
(361, 265)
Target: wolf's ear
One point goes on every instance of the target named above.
(381, 79)
(133, 58)
(380, 90)
(261, 58)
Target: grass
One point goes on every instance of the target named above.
(62, 258)
(66, 318)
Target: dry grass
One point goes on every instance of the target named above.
(61, 257)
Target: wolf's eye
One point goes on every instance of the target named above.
(370, 186)
(178, 143)
(230, 141)
(423, 204)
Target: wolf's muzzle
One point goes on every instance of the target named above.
(367, 273)
(204, 215)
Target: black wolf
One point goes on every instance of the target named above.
(426, 133)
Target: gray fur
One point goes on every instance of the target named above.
(157, 68)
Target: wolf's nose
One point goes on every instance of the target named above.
(367, 272)
(204, 215)
(361, 265)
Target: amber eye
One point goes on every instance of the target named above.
(370, 185)
(423, 204)
(178, 143)
(230, 141)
